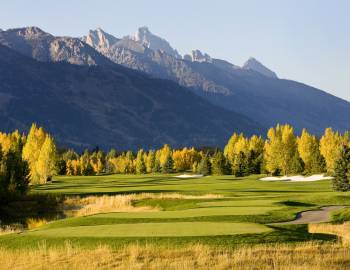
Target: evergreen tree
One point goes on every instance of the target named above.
(255, 162)
(204, 166)
(342, 170)
(61, 166)
(14, 173)
(296, 164)
(140, 163)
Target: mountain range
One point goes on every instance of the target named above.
(138, 91)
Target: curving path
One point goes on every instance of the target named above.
(313, 216)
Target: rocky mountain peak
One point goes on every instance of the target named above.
(100, 39)
(153, 42)
(30, 32)
(255, 65)
(198, 56)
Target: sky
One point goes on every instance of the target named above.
(302, 40)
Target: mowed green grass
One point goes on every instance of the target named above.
(177, 229)
(241, 216)
(196, 212)
(226, 185)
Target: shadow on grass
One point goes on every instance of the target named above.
(295, 203)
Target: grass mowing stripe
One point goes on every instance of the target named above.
(197, 212)
(155, 230)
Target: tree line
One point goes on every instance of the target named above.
(34, 159)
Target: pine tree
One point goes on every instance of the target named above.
(14, 173)
(255, 162)
(46, 165)
(342, 170)
(140, 163)
(204, 166)
(296, 164)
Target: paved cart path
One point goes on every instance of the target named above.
(313, 216)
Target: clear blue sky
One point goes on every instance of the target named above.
(303, 40)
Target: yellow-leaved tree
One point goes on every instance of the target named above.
(11, 141)
(185, 158)
(46, 164)
(330, 146)
(31, 151)
(231, 149)
(309, 152)
(281, 153)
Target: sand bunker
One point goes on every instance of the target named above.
(189, 176)
(298, 178)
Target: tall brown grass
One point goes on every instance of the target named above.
(307, 256)
(33, 223)
(13, 228)
(340, 230)
(77, 206)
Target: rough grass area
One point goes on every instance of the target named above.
(341, 216)
(307, 256)
(340, 230)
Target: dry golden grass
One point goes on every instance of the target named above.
(33, 223)
(77, 206)
(340, 230)
(307, 256)
(14, 228)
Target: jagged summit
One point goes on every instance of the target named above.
(30, 32)
(198, 56)
(153, 42)
(42, 46)
(255, 65)
(100, 39)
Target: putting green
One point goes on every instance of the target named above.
(239, 203)
(154, 230)
(197, 212)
